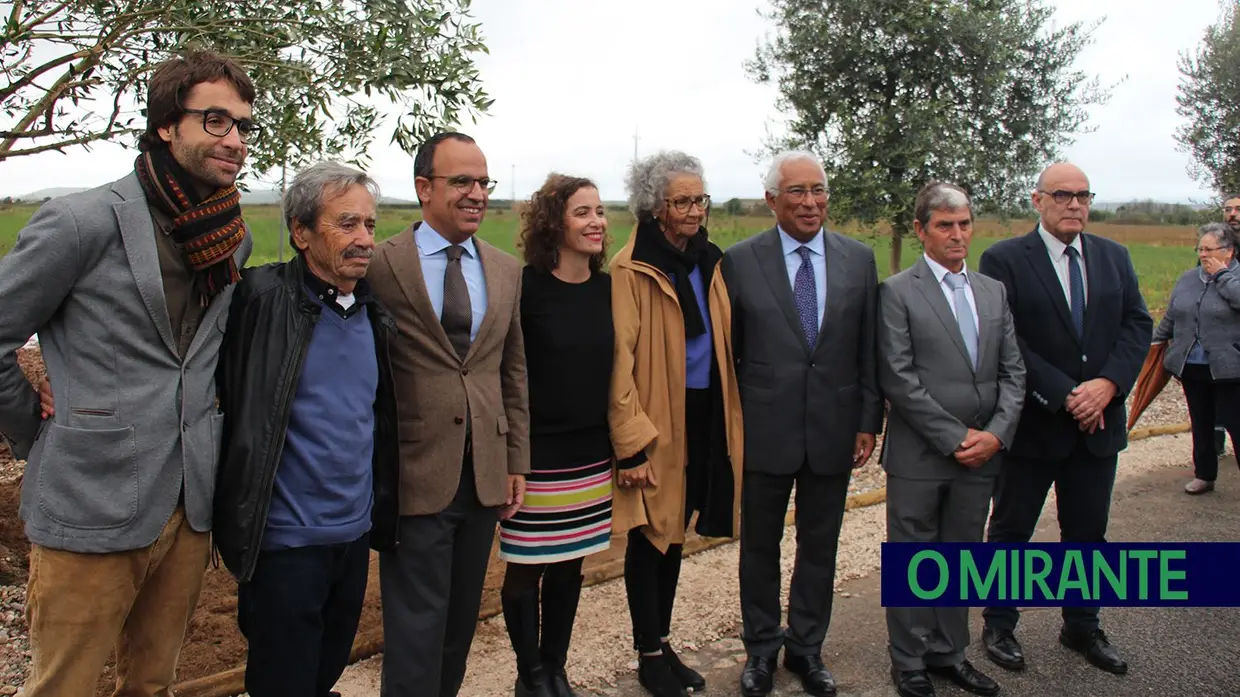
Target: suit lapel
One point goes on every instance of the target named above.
(133, 216)
(986, 308)
(1039, 258)
(933, 293)
(493, 281)
(211, 316)
(1092, 282)
(407, 269)
(835, 261)
(771, 260)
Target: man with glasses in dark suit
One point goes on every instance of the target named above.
(1083, 331)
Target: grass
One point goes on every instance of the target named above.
(1159, 253)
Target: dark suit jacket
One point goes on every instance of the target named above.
(804, 402)
(1117, 337)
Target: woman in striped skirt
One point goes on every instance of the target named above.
(566, 321)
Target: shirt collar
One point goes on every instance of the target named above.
(329, 294)
(430, 242)
(940, 271)
(1058, 248)
(790, 245)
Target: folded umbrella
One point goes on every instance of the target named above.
(1150, 382)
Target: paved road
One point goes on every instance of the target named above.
(1171, 652)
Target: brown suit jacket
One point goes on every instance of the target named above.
(433, 384)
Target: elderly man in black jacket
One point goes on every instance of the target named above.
(308, 473)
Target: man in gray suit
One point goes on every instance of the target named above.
(952, 372)
(127, 286)
(804, 315)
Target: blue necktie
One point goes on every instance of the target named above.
(1076, 290)
(964, 314)
(805, 293)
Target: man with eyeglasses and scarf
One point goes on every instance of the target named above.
(128, 287)
(1084, 332)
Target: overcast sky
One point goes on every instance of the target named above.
(574, 81)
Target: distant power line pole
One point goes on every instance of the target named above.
(512, 203)
(635, 139)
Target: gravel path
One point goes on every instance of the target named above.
(708, 606)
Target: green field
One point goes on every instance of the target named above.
(1160, 253)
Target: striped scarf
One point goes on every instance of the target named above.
(207, 231)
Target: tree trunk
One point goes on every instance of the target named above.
(897, 241)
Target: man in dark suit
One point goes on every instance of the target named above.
(951, 369)
(1084, 332)
(804, 315)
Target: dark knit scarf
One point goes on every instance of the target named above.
(651, 247)
(206, 230)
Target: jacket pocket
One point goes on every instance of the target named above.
(410, 430)
(502, 423)
(88, 478)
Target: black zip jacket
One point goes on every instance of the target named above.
(270, 322)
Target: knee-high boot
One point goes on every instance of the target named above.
(559, 607)
(521, 617)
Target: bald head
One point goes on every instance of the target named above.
(1062, 199)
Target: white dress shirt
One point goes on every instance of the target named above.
(817, 259)
(1058, 252)
(434, 257)
(940, 272)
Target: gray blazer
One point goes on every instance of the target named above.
(1208, 310)
(926, 375)
(800, 402)
(133, 425)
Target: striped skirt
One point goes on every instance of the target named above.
(566, 515)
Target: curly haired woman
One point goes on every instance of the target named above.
(566, 320)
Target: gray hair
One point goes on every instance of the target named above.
(940, 196)
(771, 181)
(304, 198)
(648, 178)
(1219, 231)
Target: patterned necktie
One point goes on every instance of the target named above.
(805, 293)
(457, 318)
(1076, 290)
(964, 313)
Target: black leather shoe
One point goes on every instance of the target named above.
(689, 678)
(1003, 649)
(815, 678)
(654, 674)
(758, 678)
(1096, 649)
(912, 683)
(967, 678)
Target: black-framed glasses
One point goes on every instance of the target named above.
(1200, 249)
(465, 183)
(219, 123)
(1063, 198)
(798, 193)
(683, 203)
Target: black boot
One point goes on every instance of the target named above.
(656, 676)
(689, 678)
(521, 617)
(559, 607)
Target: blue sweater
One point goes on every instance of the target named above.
(322, 493)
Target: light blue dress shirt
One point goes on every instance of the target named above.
(434, 258)
(818, 259)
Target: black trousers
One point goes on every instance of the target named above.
(432, 589)
(1083, 485)
(299, 614)
(651, 577)
(819, 515)
(1210, 404)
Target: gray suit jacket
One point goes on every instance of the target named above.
(133, 425)
(926, 375)
(800, 402)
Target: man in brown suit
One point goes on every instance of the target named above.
(459, 369)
